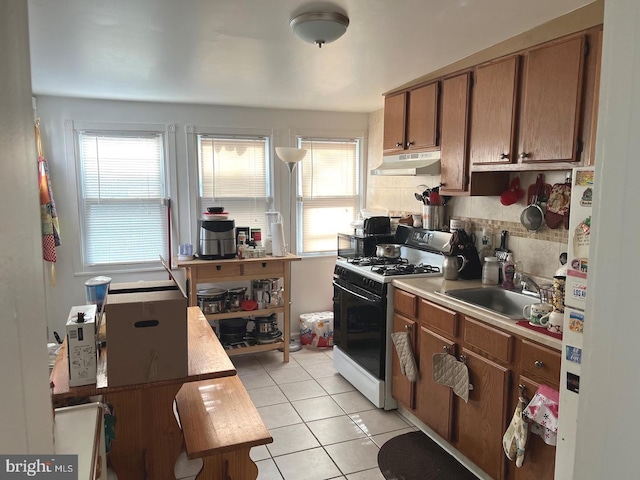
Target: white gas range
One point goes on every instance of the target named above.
(363, 310)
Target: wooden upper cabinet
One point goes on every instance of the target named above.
(455, 122)
(422, 125)
(394, 122)
(411, 119)
(552, 102)
(493, 120)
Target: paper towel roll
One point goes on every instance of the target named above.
(278, 245)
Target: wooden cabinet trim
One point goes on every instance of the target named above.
(541, 363)
(438, 317)
(492, 341)
(405, 303)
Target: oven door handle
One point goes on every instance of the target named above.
(355, 294)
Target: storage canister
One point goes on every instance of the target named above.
(490, 271)
(235, 297)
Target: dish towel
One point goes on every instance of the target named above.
(543, 412)
(48, 213)
(402, 342)
(514, 440)
(452, 373)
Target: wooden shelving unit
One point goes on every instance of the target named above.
(233, 270)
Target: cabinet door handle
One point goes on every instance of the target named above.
(504, 156)
(447, 349)
(524, 155)
(264, 264)
(399, 144)
(409, 143)
(463, 359)
(538, 364)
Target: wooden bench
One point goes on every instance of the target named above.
(220, 424)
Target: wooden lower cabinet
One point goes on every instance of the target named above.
(401, 388)
(493, 357)
(434, 402)
(540, 458)
(481, 422)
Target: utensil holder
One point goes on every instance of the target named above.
(432, 217)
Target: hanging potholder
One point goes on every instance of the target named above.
(452, 373)
(408, 367)
(558, 205)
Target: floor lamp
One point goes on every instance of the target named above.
(291, 156)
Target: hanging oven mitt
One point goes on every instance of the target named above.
(402, 342)
(543, 412)
(558, 205)
(452, 373)
(514, 440)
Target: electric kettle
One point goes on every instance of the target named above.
(451, 266)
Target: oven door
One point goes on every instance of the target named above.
(359, 325)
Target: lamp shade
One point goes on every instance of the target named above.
(290, 154)
(319, 27)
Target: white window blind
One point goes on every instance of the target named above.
(234, 174)
(122, 188)
(328, 188)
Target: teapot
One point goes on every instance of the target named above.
(450, 266)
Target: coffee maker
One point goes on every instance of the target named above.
(216, 239)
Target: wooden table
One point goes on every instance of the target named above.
(147, 437)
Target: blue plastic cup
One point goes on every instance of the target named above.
(96, 290)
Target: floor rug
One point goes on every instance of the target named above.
(414, 456)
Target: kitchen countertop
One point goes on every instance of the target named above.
(428, 287)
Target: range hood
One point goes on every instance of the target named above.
(425, 163)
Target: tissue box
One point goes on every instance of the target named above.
(146, 337)
(81, 346)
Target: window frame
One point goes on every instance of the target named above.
(193, 167)
(73, 151)
(296, 202)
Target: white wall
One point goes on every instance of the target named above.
(608, 421)
(53, 111)
(25, 404)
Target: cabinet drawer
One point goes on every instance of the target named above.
(540, 362)
(405, 303)
(274, 269)
(216, 270)
(438, 317)
(488, 339)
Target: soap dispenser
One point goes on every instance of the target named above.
(508, 273)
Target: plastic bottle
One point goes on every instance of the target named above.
(242, 237)
(508, 273)
(490, 271)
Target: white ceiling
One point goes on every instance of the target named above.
(242, 52)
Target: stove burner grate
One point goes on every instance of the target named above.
(404, 269)
(372, 261)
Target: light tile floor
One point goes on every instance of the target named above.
(322, 427)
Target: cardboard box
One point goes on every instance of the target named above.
(81, 345)
(146, 337)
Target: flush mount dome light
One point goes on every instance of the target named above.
(319, 27)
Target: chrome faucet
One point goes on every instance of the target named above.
(526, 281)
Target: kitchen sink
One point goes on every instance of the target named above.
(496, 299)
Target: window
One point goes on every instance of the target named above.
(328, 191)
(122, 187)
(234, 173)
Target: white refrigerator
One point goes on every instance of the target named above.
(574, 317)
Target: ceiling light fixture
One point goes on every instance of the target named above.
(319, 27)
